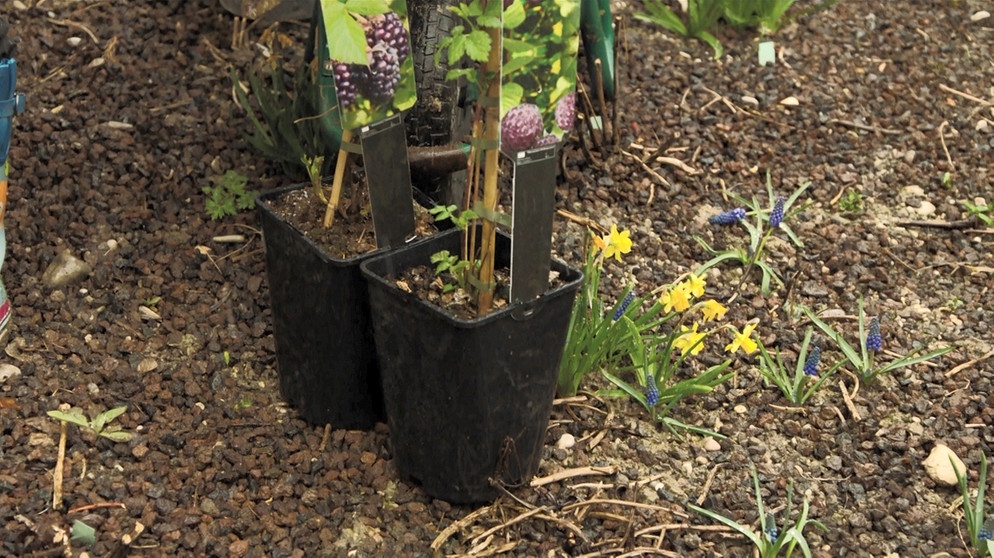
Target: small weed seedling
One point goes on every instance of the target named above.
(982, 211)
(771, 539)
(978, 525)
(870, 343)
(228, 196)
(851, 202)
(97, 424)
(804, 381)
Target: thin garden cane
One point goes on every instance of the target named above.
(336, 185)
(491, 169)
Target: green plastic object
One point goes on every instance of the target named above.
(597, 29)
(317, 45)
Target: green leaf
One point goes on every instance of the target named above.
(745, 531)
(510, 96)
(83, 533)
(346, 38)
(366, 7)
(117, 435)
(478, 45)
(105, 417)
(514, 15)
(74, 416)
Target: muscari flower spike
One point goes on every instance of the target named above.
(811, 363)
(728, 217)
(651, 391)
(874, 341)
(776, 216)
(986, 531)
(625, 303)
(771, 528)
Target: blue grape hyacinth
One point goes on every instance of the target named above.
(771, 528)
(874, 341)
(651, 391)
(729, 217)
(776, 216)
(625, 303)
(811, 363)
(986, 532)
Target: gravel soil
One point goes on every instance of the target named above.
(130, 113)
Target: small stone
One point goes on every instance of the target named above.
(980, 16)
(147, 365)
(238, 548)
(916, 428)
(209, 507)
(750, 100)
(939, 468)
(65, 269)
(74, 41)
(814, 289)
(790, 102)
(710, 444)
(566, 441)
(8, 371)
(740, 409)
(139, 451)
(981, 126)
(926, 208)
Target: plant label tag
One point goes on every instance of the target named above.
(533, 206)
(767, 53)
(384, 151)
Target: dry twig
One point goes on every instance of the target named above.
(571, 473)
(957, 369)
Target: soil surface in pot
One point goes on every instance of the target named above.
(130, 113)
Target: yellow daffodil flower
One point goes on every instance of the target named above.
(695, 285)
(743, 341)
(675, 299)
(689, 339)
(713, 310)
(615, 243)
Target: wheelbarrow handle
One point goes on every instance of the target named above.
(597, 30)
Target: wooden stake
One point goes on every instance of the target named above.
(491, 170)
(336, 186)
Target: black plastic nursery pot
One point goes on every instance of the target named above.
(467, 401)
(325, 352)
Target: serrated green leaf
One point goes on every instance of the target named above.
(478, 45)
(83, 533)
(346, 38)
(367, 7)
(456, 48)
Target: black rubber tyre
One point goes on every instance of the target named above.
(438, 117)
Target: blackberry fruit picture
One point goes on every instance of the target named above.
(520, 127)
(346, 82)
(388, 29)
(379, 80)
(566, 112)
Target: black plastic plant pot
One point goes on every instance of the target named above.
(467, 400)
(324, 341)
